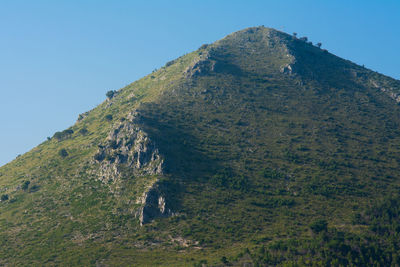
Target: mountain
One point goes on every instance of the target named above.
(259, 149)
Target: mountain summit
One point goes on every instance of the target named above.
(258, 149)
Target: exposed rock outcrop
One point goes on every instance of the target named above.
(82, 116)
(129, 147)
(388, 90)
(129, 152)
(201, 66)
(153, 205)
(286, 69)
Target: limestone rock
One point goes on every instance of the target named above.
(128, 146)
(286, 69)
(128, 152)
(154, 205)
(388, 90)
(200, 66)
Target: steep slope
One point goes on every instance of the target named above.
(257, 148)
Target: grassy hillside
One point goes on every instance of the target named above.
(273, 151)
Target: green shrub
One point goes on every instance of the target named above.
(273, 174)
(83, 131)
(108, 117)
(99, 156)
(34, 188)
(169, 63)
(4, 197)
(63, 135)
(25, 185)
(63, 152)
(319, 226)
(110, 94)
(227, 179)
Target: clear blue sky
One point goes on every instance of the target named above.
(58, 58)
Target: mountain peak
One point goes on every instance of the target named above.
(252, 51)
(267, 51)
(261, 31)
(264, 37)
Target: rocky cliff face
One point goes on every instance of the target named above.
(392, 92)
(128, 147)
(153, 205)
(201, 66)
(129, 152)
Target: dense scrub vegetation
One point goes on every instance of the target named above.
(375, 244)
